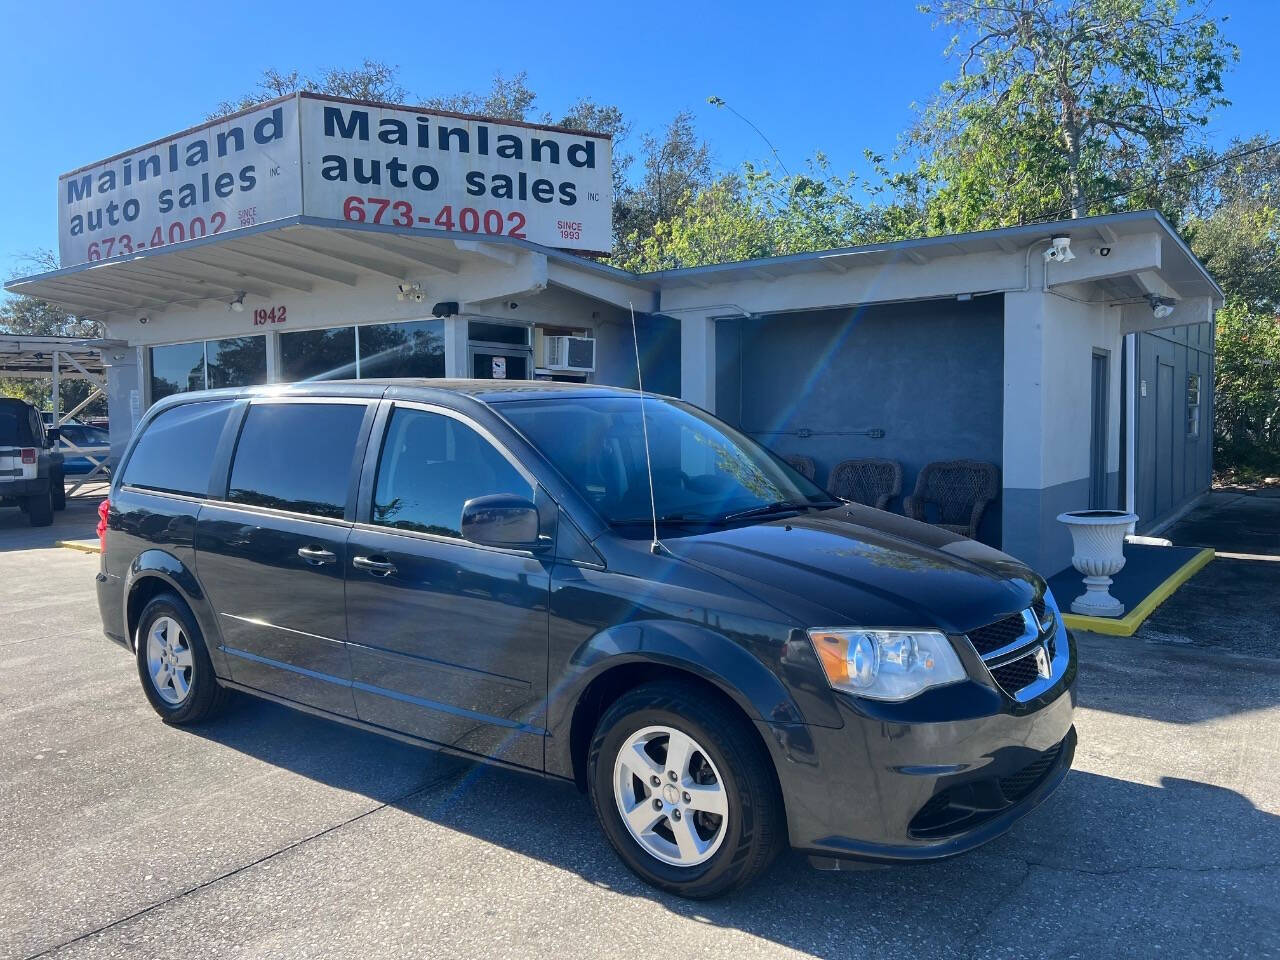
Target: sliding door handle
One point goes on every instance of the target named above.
(316, 556)
(376, 565)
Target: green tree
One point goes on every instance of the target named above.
(676, 167)
(506, 99)
(373, 80)
(1063, 106)
(1234, 227)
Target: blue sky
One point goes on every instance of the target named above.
(83, 81)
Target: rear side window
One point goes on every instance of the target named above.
(430, 466)
(175, 453)
(9, 414)
(297, 456)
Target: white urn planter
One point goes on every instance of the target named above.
(1098, 539)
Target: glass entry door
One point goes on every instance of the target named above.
(492, 363)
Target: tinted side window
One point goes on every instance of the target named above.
(175, 453)
(432, 464)
(297, 456)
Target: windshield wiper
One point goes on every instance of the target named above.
(778, 506)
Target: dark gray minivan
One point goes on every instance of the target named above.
(472, 565)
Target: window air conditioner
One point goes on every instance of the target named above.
(569, 354)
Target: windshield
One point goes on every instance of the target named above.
(703, 470)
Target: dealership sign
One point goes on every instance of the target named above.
(341, 160)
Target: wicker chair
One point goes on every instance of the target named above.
(803, 465)
(869, 481)
(960, 490)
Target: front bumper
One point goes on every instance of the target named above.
(927, 779)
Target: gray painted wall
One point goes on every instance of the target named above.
(1032, 527)
(659, 338)
(928, 373)
(1171, 469)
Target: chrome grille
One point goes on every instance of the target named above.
(1009, 646)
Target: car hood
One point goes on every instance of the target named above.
(863, 567)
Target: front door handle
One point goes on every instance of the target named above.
(317, 555)
(378, 566)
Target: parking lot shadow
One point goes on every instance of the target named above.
(1106, 867)
(78, 521)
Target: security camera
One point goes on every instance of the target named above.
(1059, 251)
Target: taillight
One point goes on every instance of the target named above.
(103, 509)
(28, 454)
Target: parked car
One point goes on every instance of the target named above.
(87, 437)
(30, 465)
(472, 565)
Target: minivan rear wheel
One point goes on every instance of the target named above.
(684, 791)
(173, 663)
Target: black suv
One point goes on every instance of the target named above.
(474, 565)
(30, 464)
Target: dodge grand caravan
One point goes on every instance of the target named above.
(472, 565)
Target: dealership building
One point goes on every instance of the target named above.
(314, 237)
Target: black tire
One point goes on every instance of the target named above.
(40, 509)
(58, 490)
(755, 829)
(204, 696)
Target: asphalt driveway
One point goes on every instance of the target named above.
(273, 834)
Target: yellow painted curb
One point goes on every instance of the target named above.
(82, 547)
(1127, 625)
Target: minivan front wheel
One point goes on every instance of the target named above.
(173, 663)
(684, 791)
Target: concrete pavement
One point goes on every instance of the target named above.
(272, 834)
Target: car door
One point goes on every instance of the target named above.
(448, 638)
(271, 553)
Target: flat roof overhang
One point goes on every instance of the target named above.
(308, 254)
(1179, 268)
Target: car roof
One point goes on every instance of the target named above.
(484, 391)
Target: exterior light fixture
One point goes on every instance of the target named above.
(410, 291)
(1059, 251)
(1161, 307)
(237, 305)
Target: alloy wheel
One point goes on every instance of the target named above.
(671, 796)
(169, 660)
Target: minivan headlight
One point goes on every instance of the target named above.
(886, 664)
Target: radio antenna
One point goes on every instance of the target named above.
(656, 545)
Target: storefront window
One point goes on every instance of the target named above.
(233, 362)
(237, 361)
(318, 355)
(177, 368)
(414, 349)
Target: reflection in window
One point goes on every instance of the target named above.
(175, 453)
(318, 354)
(1193, 406)
(430, 466)
(231, 362)
(296, 456)
(177, 368)
(413, 349)
(237, 361)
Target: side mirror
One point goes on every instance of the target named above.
(501, 520)
(52, 436)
